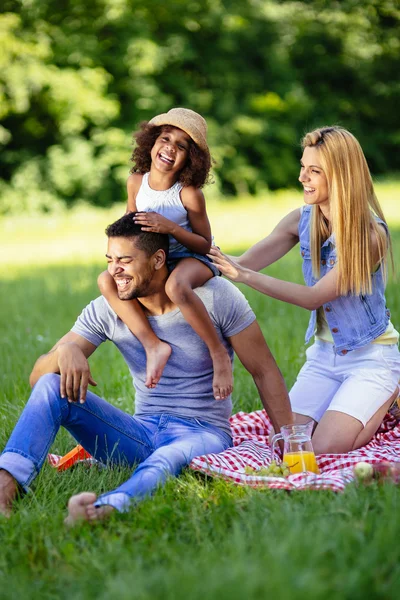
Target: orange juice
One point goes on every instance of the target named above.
(301, 461)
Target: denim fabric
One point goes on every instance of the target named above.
(162, 444)
(354, 321)
(176, 256)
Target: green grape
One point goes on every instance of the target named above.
(263, 472)
(272, 470)
(249, 470)
(275, 470)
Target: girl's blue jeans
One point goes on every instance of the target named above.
(160, 444)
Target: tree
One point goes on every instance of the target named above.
(77, 77)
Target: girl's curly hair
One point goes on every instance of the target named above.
(196, 171)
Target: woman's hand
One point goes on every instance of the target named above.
(228, 267)
(152, 221)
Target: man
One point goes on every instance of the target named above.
(174, 422)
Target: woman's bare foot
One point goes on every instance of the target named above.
(157, 357)
(223, 376)
(81, 508)
(8, 491)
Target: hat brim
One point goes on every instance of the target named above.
(192, 131)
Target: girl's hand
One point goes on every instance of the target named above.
(152, 221)
(227, 266)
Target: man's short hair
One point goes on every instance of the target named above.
(148, 241)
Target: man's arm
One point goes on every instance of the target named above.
(69, 358)
(254, 354)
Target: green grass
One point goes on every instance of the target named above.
(196, 538)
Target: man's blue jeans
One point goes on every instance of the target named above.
(161, 444)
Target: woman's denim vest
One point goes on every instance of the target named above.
(354, 321)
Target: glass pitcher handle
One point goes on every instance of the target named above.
(275, 439)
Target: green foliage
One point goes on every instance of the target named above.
(77, 77)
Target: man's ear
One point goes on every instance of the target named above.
(159, 259)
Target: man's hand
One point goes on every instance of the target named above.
(74, 371)
(152, 221)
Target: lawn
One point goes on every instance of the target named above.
(197, 538)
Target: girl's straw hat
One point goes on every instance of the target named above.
(189, 121)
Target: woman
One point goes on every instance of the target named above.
(351, 375)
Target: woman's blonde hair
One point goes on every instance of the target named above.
(353, 207)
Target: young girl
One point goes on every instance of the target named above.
(351, 375)
(171, 164)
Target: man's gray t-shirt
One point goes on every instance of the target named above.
(185, 388)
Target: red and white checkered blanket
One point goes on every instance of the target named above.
(251, 449)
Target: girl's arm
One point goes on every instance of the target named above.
(199, 239)
(132, 187)
(278, 243)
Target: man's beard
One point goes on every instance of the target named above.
(138, 291)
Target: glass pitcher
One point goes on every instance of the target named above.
(298, 452)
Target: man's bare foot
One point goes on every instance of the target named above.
(157, 357)
(8, 491)
(81, 508)
(223, 376)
